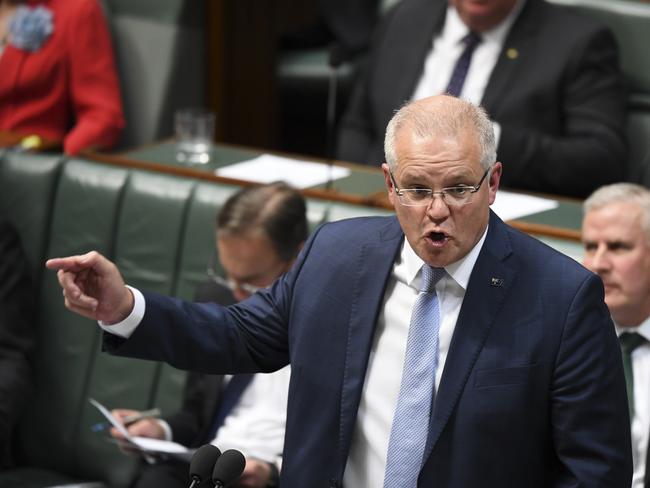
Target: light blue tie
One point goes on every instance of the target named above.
(408, 436)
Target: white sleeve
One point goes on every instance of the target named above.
(128, 325)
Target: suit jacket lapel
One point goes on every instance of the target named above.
(516, 48)
(486, 291)
(375, 263)
(426, 18)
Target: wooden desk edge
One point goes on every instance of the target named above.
(332, 195)
(375, 200)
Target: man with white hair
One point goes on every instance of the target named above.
(616, 236)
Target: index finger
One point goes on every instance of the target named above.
(91, 259)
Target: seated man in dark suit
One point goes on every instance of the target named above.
(259, 233)
(16, 336)
(616, 236)
(549, 79)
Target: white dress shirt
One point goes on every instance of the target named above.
(256, 425)
(641, 421)
(367, 459)
(447, 48)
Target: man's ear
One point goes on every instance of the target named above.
(389, 183)
(495, 179)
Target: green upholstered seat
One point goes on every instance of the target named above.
(159, 229)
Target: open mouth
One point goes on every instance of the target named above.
(437, 238)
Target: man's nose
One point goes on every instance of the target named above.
(438, 208)
(600, 259)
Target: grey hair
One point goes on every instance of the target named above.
(621, 193)
(447, 119)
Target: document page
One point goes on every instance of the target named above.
(268, 168)
(145, 444)
(510, 206)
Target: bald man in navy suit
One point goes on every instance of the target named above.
(523, 381)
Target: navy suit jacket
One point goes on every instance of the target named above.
(532, 393)
(560, 101)
(192, 424)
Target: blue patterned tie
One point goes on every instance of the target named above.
(408, 436)
(459, 74)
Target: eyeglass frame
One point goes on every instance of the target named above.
(443, 192)
(230, 283)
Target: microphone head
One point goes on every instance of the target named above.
(228, 467)
(203, 462)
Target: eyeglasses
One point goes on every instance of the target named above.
(232, 285)
(455, 196)
(267, 276)
(229, 283)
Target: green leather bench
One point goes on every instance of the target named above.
(159, 230)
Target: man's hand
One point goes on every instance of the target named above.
(256, 474)
(146, 427)
(93, 287)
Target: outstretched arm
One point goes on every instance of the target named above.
(93, 287)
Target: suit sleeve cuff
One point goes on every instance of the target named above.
(125, 328)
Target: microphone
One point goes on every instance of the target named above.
(228, 468)
(202, 462)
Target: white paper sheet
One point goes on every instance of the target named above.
(268, 168)
(146, 444)
(510, 206)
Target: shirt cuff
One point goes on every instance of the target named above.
(128, 325)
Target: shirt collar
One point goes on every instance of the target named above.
(456, 29)
(459, 271)
(643, 328)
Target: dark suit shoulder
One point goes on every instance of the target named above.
(361, 228)
(533, 254)
(562, 21)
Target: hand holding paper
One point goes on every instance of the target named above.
(145, 444)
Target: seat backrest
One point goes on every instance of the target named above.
(158, 229)
(160, 54)
(629, 20)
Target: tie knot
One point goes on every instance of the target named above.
(430, 276)
(630, 341)
(472, 39)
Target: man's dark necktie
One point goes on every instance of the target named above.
(229, 398)
(459, 74)
(629, 342)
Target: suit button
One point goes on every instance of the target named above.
(334, 483)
